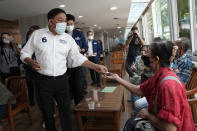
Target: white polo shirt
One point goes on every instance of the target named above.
(53, 52)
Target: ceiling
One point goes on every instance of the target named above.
(95, 12)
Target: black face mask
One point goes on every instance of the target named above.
(177, 54)
(146, 60)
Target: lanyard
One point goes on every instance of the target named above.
(7, 56)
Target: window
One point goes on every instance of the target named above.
(150, 24)
(183, 18)
(162, 18)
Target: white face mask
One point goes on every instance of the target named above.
(60, 28)
(6, 41)
(70, 28)
(91, 37)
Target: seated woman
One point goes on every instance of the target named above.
(5, 95)
(168, 108)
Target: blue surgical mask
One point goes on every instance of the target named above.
(60, 28)
(6, 41)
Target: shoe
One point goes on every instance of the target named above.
(54, 115)
(43, 125)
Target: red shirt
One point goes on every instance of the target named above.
(172, 104)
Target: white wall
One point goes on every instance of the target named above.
(25, 23)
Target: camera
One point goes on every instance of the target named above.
(134, 33)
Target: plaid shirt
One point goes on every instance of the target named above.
(184, 66)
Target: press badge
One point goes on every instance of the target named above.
(44, 40)
(63, 41)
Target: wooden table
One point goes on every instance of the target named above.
(107, 116)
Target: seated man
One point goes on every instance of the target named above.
(140, 68)
(182, 64)
(5, 95)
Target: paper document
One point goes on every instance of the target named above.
(108, 89)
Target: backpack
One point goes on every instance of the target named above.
(138, 124)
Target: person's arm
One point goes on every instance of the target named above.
(99, 68)
(28, 50)
(76, 59)
(160, 124)
(128, 41)
(131, 87)
(141, 39)
(33, 63)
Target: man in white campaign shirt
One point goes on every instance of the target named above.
(52, 48)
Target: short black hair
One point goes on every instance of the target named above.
(134, 28)
(31, 30)
(70, 17)
(185, 42)
(89, 32)
(4, 34)
(52, 13)
(162, 49)
(34, 27)
(156, 39)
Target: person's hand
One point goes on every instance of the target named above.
(82, 50)
(170, 68)
(100, 68)
(95, 54)
(176, 71)
(143, 113)
(112, 76)
(34, 64)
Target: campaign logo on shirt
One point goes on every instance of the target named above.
(77, 38)
(44, 40)
(94, 43)
(63, 41)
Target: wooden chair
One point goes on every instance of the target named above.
(193, 80)
(17, 85)
(193, 103)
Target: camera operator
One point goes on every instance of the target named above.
(135, 42)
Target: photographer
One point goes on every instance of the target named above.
(135, 42)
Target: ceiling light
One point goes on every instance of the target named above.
(80, 16)
(95, 25)
(114, 8)
(99, 27)
(61, 6)
(120, 31)
(118, 27)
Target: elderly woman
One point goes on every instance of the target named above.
(168, 108)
